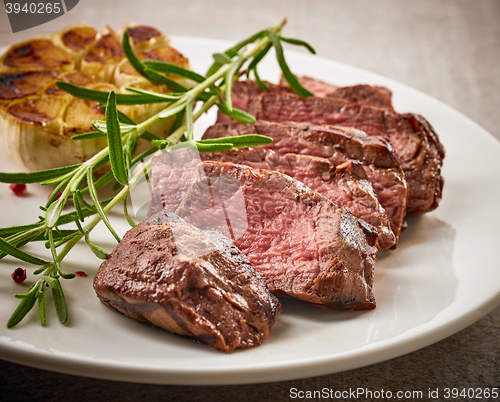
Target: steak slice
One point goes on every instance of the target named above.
(172, 173)
(347, 185)
(414, 141)
(189, 282)
(361, 94)
(243, 91)
(339, 145)
(302, 244)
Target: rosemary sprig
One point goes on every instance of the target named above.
(72, 182)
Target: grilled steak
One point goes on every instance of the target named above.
(412, 137)
(301, 243)
(187, 281)
(361, 94)
(364, 95)
(172, 173)
(370, 95)
(338, 145)
(244, 90)
(346, 185)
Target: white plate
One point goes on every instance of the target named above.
(443, 276)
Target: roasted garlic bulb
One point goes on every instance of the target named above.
(37, 119)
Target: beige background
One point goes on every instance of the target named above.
(449, 49)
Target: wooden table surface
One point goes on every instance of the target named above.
(449, 49)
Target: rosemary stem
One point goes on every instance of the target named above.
(177, 134)
(188, 99)
(90, 225)
(199, 89)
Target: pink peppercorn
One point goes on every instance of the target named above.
(18, 189)
(19, 275)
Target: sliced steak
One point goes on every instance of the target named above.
(244, 90)
(347, 184)
(172, 173)
(361, 94)
(338, 145)
(302, 244)
(189, 282)
(412, 137)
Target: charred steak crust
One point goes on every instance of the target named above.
(356, 94)
(364, 95)
(189, 282)
(414, 141)
(347, 184)
(360, 94)
(301, 243)
(338, 145)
